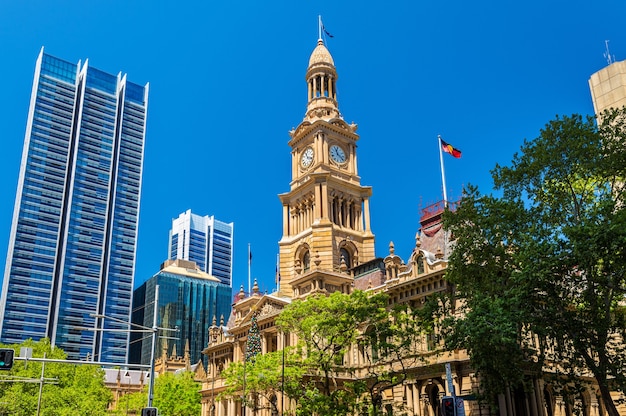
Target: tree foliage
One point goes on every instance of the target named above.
(541, 268)
(68, 390)
(174, 395)
(264, 378)
(327, 328)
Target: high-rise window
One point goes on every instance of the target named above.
(73, 237)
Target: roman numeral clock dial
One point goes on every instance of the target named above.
(307, 157)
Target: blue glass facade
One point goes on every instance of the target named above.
(185, 301)
(73, 238)
(204, 240)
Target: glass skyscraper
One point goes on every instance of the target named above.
(189, 299)
(73, 237)
(205, 241)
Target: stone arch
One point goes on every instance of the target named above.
(431, 392)
(302, 259)
(417, 260)
(348, 252)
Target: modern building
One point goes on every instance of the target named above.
(189, 300)
(71, 253)
(608, 87)
(204, 240)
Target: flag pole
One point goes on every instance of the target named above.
(319, 26)
(443, 175)
(249, 262)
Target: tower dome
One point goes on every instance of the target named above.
(321, 77)
(320, 55)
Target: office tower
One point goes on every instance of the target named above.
(189, 299)
(205, 241)
(608, 87)
(73, 239)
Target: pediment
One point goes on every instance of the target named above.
(267, 306)
(337, 125)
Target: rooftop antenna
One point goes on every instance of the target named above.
(609, 58)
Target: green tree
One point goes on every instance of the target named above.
(327, 327)
(253, 345)
(177, 394)
(390, 344)
(541, 268)
(131, 403)
(174, 395)
(69, 390)
(268, 376)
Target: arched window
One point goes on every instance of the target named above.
(345, 255)
(306, 261)
(420, 265)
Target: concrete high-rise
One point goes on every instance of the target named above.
(608, 87)
(71, 254)
(204, 240)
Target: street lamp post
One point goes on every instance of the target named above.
(155, 328)
(154, 331)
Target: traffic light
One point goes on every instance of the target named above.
(6, 358)
(149, 411)
(448, 407)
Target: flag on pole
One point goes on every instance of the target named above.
(326, 31)
(448, 148)
(321, 28)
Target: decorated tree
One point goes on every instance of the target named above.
(253, 346)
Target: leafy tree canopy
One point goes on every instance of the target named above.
(327, 328)
(546, 257)
(174, 395)
(69, 389)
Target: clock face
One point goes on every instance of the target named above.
(307, 157)
(337, 154)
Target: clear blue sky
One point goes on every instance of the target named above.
(227, 84)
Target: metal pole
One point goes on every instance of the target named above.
(282, 386)
(155, 328)
(243, 397)
(443, 174)
(213, 370)
(43, 367)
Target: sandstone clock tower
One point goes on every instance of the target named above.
(326, 220)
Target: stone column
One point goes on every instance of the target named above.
(366, 205)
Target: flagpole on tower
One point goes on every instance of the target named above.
(319, 26)
(443, 174)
